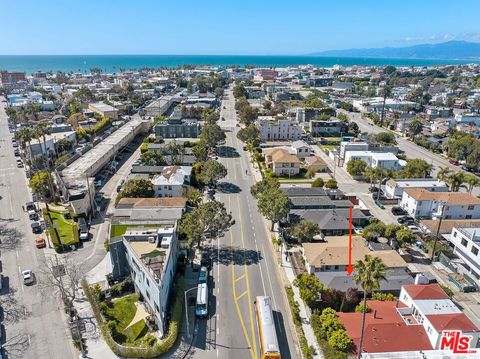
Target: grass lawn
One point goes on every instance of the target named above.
(117, 230)
(122, 312)
(327, 147)
(67, 228)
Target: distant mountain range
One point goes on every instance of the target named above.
(451, 50)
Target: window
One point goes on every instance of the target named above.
(327, 267)
(148, 294)
(468, 216)
(474, 250)
(464, 242)
(455, 234)
(148, 282)
(156, 308)
(471, 207)
(336, 267)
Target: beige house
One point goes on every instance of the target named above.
(282, 163)
(316, 163)
(104, 110)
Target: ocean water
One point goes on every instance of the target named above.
(113, 63)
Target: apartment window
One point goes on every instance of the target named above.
(474, 250)
(327, 267)
(471, 207)
(169, 188)
(148, 282)
(148, 294)
(464, 242)
(455, 234)
(157, 309)
(468, 216)
(429, 330)
(336, 267)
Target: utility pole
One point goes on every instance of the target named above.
(438, 230)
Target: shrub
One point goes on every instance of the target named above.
(331, 184)
(318, 182)
(359, 308)
(384, 297)
(340, 340)
(447, 290)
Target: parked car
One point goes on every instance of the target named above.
(32, 215)
(36, 227)
(203, 275)
(40, 242)
(16, 153)
(83, 229)
(373, 189)
(19, 163)
(30, 206)
(398, 211)
(380, 204)
(28, 277)
(405, 220)
(206, 262)
(414, 229)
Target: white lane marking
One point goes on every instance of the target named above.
(16, 252)
(217, 353)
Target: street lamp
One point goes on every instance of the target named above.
(443, 204)
(186, 311)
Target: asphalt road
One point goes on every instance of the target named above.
(34, 324)
(244, 266)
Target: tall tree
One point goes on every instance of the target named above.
(472, 182)
(273, 204)
(200, 151)
(249, 134)
(305, 230)
(415, 127)
(356, 167)
(444, 174)
(369, 272)
(310, 288)
(416, 168)
(210, 217)
(211, 172)
(137, 188)
(212, 134)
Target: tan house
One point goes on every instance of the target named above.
(316, 163)
(282, 163)
(104, 110)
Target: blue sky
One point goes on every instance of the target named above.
(228, 27)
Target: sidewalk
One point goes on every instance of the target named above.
(307, 329)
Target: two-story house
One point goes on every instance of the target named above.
(172, 181)
(282, 163)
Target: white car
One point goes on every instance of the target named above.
(414, 229)
(27, 277)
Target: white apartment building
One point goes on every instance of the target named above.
(384, 160)
(430, 307)
(394, 187)
(272, 129)
(467, 247)
(420, 203)
(152, 255)
(171, 181)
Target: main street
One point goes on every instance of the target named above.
(35, 325)
(244, 265)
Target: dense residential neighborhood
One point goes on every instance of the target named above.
(168, 212)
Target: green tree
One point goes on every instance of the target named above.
(444, 173)
(212, 135)
(460, 145)
(368, 274)
(248, 114)
(456, 180)
(374, 230)
(310, 288)
(209, 218)
(40, 183)
(249, 134)
(385, 138)
(318, 182)
(374, 174)
(330, 326)
(353, 128)
(194, 196)
(274, 205)
(137, 188)
(415, 127)
(331, 184)
(200, 151)
(305, 230)
(472, 182)
(416, 168)
(404, 236)
(391, 230)
(266, 184)
(239, 91)
(152, 158)
(356, 167)
(211, 172)
(339, 340)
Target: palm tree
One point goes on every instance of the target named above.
(369, 272)
(374, 175)
(456, 180)
(444, 174)
(472, 182)
(386, 91)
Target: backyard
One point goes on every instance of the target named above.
(119, 315)
(117, 230)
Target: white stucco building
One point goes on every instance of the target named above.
(171, 181)
(272, 129)
(394, 187)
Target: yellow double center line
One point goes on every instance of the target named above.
(236, 298)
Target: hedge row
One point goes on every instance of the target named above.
(161, 346)
(307, 350)
(317, 321)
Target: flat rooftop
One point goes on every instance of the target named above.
(102, 107)
(82, 166)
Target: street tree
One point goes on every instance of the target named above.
(356, 167)
(209, 218)
(266, 184)
(353, 128)
(200, 151)
(444, 173)
(61, 275)
(137, 188)
(40, 184)
(472, 182)
(385, 138)
(211, 172)
(248, 114)
(385, 92)
(374, 174)
(404, 236)
(369, 272)
(212, 135)
(310, 288)
(305, 230)
(239, 90)
(194, 196)
(249, 134)
(456, 180)
(274, 205)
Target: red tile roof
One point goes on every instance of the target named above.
(385, 330)
(426, 291)
(454, 321)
